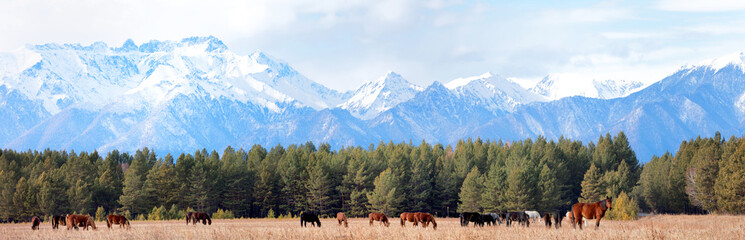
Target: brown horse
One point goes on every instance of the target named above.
(411, 217)
(57, 220)
(425, 219)
(590, 211)
(341, 217)
(85, 221)
(197, 216)
(117, 219)
(35, 223)
(374, 216)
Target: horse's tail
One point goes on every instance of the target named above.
(108, 224)
(301, 221)
(402, 221)
(571, 217)
(434, 223)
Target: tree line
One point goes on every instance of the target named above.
(474, 175)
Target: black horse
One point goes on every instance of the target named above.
(474, 217)
(521, 218)
(57, 220)
(488, 219)
(305, 218)
(547, 219)
(558, 217)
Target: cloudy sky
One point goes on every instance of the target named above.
(343, 43)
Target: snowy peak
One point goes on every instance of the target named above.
(557, 86)
(379, 95)
(735, 59)
(493, 91)
(281, 76)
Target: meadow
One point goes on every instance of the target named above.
(651, 227)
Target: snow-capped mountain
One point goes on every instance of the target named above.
(180, 96)
(493, 91)
(557, 86)
(379, 95)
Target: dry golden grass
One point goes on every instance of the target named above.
(653, 227)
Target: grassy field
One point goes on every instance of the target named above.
(652, 227)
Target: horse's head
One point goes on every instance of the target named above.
(608, 202)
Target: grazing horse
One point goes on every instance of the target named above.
(533, 215)
(198, 216)
(558, 217)
(474, 217)
(57, 220)
(411, 217)
(547, 219)
(488, 219)
(85, 221)
(495, 218)
(305, 218)
(374, 216)
(117, 219)
(341, 217)
(520, 217)
(35, 223)
(425, 219)
(590, 211)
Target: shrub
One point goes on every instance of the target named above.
(223, 214)
(270, 214)
(624, 208)
(100, 214)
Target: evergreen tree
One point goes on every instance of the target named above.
(317, 189)
(132, 190)
(492, 197)
(705, 170)
(549, 189)
(470, 192)
(385, 197)
(592, 186)
(421, 178)
(81, 199)
(519, 190)
(730, 184)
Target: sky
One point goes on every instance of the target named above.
(344, 43)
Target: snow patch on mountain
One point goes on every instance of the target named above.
(557, 86)
(379, 95)
(735, 59)
(493, 91)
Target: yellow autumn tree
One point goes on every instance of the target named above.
(624, 208)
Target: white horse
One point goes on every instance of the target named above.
(569, 217)
(533, 215)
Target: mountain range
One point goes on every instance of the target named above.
(180, 96)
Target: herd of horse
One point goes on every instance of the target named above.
(577, 215)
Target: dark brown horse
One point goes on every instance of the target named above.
(342, 218)
(57, 220)
(117, 219)
(426, 219)
(374, 216)
(35, 223)
(195, 217)
(311, 218)
(547, 219)
(411, 217)
(590, 211)
(85, 221)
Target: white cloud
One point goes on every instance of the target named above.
(701, 6)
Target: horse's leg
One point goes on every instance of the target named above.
(597, 223)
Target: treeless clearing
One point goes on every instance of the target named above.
(653, 227)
